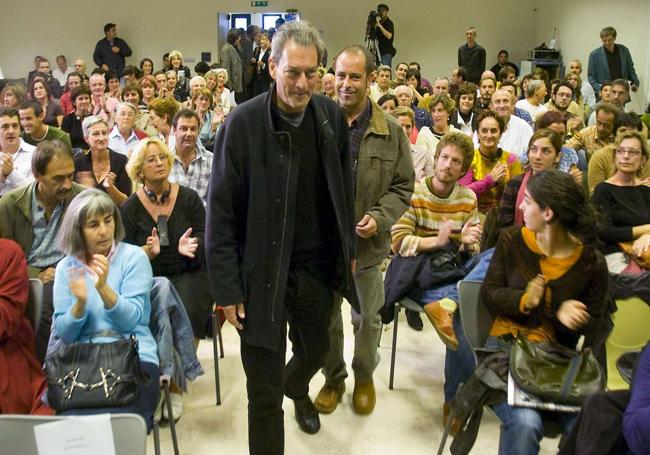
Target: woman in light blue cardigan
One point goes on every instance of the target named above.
(103, 285)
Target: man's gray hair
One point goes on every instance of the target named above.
(91, 121)
(384, 68)
(441, 78)
(608, 31)
(300, 32)
(533, 86)
(87, 204)
(128, 105)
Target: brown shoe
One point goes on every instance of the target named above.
(328, 398)
(442, 321)
(364, 397)
(455, 423)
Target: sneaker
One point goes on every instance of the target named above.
(414, 320)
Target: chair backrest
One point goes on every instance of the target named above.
(17, 433)
(35, 303)
(474, 316)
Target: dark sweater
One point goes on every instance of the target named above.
(623, 208)
(514, 265)
(83, 162)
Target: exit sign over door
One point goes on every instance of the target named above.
(259, 3)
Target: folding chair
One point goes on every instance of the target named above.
(17, 433)
(172, 423)
(35, 303)
(216, 336)
(409, 304)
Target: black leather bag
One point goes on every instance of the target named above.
(555, 373)
(93, 375)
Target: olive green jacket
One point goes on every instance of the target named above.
(384, 183)
(16, 216)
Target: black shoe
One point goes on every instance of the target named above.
(307, 415)
(414, 320)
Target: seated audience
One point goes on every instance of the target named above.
(22, 381)
(414, 81)
(624, 200)
(534, 102)
(45, 73)
(440, 86)
(13, 94)
(176, 64)
(443, 216)
(100, 167)
(220, 92)
(148, 87)
(15, 153)
(547, 282)
(329, 87)
(492, 167)
(196, 83)
(511, 88)
(487, 86)
(587, 91)
(605, 96)
(73, 81)
(562, 100)
(388, 103)
(440, 107)
(112, 84)
(162, 112)
(422, 159)
(192, 162)
(80, 99)
(576, 83)
(35, 130)
(123, 136)
(210, 119)
(425, 83)
(463, 116)
(53, 113)
(168, 221)
(31, 216)
(103, 284)
(404, 96)
(103, 105)
(502, 62)
(132, 74)
(593, 138)
(400, 74)
(133, 94)
(381, 86)
(62, 70)
(514, 138)
(146, 66)
(458, 80)
(602, 164)
(506, 74)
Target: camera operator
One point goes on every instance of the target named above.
(384, 34)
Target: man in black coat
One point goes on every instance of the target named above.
(280, 232)
(111, 51)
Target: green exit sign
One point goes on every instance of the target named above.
(259, 3)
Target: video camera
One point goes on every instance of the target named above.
(372, 18)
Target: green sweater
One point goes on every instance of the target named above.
(52, 133)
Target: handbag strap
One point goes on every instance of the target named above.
(572, 374)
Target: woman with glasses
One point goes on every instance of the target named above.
(624, 199)
(168, 221)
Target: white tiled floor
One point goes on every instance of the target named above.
(406, 420)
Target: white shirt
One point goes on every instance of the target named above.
(61, 76)
(376, 92)
(588, 95)
(534, 111)
(22, 172)
(428, 140)
(515, 138)
(117, 143)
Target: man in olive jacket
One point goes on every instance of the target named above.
(31, 215)
(384, 178)
(280, 232)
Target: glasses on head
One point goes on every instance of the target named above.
(153, 160)
(633, 153)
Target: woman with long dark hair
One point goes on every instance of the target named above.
(549, 283)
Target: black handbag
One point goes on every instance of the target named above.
(555, 373)
(93, 375)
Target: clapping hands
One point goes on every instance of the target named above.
(187, 245)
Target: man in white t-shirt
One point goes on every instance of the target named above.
(517, 133)
(15, 154)
(381, 86)
(60, 73)
(535, 95)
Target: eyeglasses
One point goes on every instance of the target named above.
(630, 152)
(153, 160)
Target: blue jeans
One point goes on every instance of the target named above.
(387, 59)
(523, 428)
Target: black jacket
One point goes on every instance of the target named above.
(104, 54)
(250, 211)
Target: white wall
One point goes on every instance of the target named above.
(579, 24)
(427, 31)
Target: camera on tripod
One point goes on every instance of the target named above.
(372, 18)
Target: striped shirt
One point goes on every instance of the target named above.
(427, 211)
(197, 175)
(45, 249)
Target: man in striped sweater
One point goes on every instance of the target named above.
(442, 214)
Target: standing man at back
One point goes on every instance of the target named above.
(471, 56)
(280, 232)
(111, 51)
(385, 34)
(384, 178)
(611, 61)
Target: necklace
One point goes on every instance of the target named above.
(47, 129)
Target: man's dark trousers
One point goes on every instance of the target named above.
(308, 306)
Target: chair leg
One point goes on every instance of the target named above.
(394, 347)
(219, 333)
(216, 334)
(170, 416)
(380, 334)
(156, 438)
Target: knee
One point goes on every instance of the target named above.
(525, 424)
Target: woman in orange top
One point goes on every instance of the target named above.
(548, 282)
